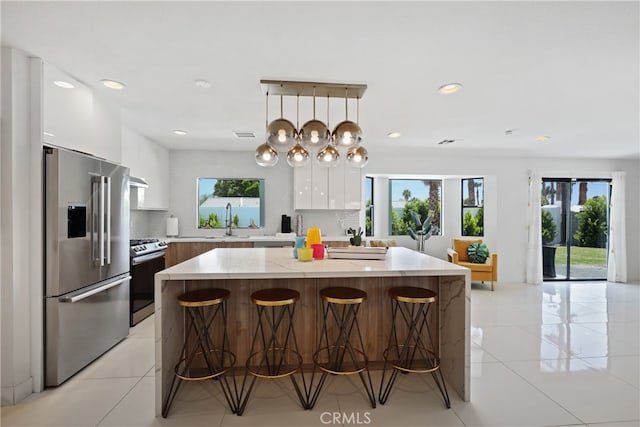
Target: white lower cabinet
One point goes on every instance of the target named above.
(318, 187)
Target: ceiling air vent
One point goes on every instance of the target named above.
(446, 141)
(244, 133)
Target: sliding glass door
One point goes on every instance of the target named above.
(575, 228)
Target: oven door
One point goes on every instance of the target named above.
(143, 269)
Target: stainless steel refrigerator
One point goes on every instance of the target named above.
(86, 257)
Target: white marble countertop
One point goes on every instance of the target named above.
(263, 263)
(213, 239)
(248, 238)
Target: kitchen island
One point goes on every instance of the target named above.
(245, 270)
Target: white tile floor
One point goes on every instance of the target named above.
(553, 355)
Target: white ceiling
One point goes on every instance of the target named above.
(568, 70)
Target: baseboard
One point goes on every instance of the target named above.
(13, 395)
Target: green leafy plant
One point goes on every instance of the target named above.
(356, 240)
(548, 227)
(423, 229)
(478, 252)
(592, 223)
(472, 224)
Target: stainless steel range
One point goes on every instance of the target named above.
(147, 258)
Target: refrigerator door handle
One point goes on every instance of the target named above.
(96, 212)
(108, 211)
(101, 214)
(94, 291)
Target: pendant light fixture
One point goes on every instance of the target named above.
(283, 136)
(347, 134)
(297, 156)
(358, 156)
(314, 133)
(329, 156)
(281, 133)
(266, 155)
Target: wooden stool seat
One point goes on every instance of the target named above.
(274, 349)
(411, 348)
(275, 297)
(343, 295)
(203, 297)
(206, 352)
(412, 295)
(340, 349)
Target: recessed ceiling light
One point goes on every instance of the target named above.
(543, 138)
(63, 84)
(180, 132)
(394, 134)
(112, 84)
(202, 83)
(450, 88)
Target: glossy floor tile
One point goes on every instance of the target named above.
(559, 354)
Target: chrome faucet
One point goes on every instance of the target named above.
(228, 219)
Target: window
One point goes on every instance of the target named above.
(245, 196)
(472, 207)
(368, 195)
(423, 196)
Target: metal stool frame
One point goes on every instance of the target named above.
(214, 356)
(346, 319)
(272, 350)
(414, 312)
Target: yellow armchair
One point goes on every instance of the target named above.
(487, 271)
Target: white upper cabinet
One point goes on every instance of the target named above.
(107, 129)
(75, 117)
(150, 161)
(319, 187)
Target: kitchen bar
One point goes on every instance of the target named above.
(245, 270)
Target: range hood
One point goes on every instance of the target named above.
(137, 182)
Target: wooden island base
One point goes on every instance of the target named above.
(450, 319)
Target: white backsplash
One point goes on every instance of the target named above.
(148, 223)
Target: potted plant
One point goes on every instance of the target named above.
(423, 230)
(356, 239)
(548, 251)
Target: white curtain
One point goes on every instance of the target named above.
(533, 267)
(617, 263)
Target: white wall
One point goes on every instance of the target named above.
(187, 166)
(21, 273)
(505, 196)
(506, 181)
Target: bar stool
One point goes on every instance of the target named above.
(416, 352)
(203, 357)
(340, 349)
(272, 355)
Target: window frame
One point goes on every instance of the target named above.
(369, 211)
(464, 208)
(438, 222)
(261, 207)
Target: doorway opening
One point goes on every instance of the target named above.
(575, 228)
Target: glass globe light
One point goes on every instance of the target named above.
(266, 155)
(297, 156)
(358, 157)
(328, 156)
(347, 134)
(314, 133)
(281, 134)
